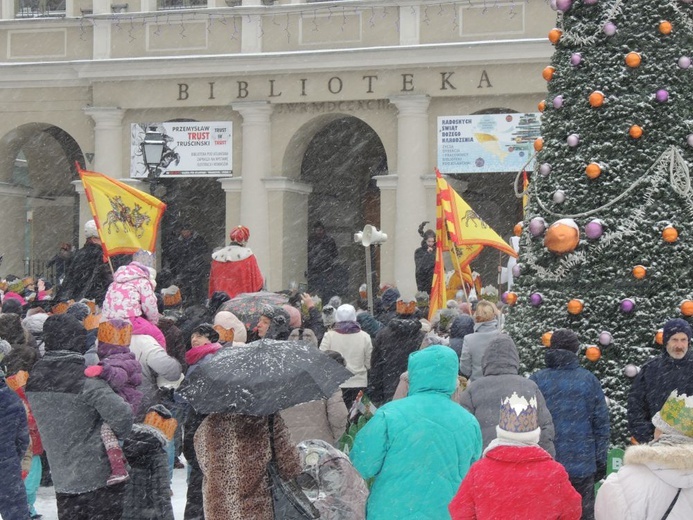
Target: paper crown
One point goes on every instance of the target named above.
(115, 332)
(17, 380)
(518, 415)
(171, 296)
(60, 308)
(225, 335)
(160, 418)
(145, 258)
(408, 307)
(677, 412)
(89, 303)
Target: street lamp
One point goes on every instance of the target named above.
(370, 236)
(152, 151)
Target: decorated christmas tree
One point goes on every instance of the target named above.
(607, 243)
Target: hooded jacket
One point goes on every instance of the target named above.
(391, 349)
(517, 483)
(651, 388)
(356, 349)
(70, 408)
(473, 347)
(419, 448)
(578, 408)
(461, 326)
(131, 294)
(647, 482)
(482, 397)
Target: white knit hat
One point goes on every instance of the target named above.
(518, 420)
(90, 230)
(229, 320)
(345, 312)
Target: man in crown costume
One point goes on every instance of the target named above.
(234, 268)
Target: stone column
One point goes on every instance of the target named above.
(412, 164)
(232, 188)
(13, 231)
(255, 166)
(108, 140)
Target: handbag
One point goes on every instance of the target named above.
(288, 500)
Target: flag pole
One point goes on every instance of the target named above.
(458, 268)
(500, 270)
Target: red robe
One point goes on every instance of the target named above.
(234, 270)
(516, 483)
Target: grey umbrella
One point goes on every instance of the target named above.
(262, 378)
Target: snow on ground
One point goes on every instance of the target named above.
(46, 505)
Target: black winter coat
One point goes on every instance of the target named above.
(391, 349)
(425, 263)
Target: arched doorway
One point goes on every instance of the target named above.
(40, 208)
(340, 164)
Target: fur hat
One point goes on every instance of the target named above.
(240, 235)
(675, 326)
(565, 339)
(676, 416)
(518, 420)
(90, 230)
(345, 312)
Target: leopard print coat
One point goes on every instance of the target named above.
(233, 452)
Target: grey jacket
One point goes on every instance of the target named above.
(500, 364)
(473, 347)
(69, 409)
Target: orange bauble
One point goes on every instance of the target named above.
(639, 272)
(562, 236)
(687, 308)
(635, 132)
(665, 27)
(659, 337)
(633, 59)
(575, 306)
(517, 230)
(542, 105)
(593, 353)
(511, 298)
(670, 234)
(546, 338)
(538, 144)
(548, 73)
(555, 35)
(596, 99)
(593, 170)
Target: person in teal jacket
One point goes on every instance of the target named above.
(418, 448)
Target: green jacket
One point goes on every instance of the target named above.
(418, 448)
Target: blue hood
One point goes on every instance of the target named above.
(433, 369)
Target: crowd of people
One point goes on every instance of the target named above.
(436, 420)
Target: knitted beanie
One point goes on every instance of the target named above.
(565, 339)
(229, 321)
(90, 230)
(345, 312)
(675, 326)
(518, 420)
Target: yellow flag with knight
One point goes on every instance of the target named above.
(127, 219)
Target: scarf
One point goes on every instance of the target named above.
(195, 354)
(347, 327)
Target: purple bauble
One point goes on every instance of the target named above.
(609, 28)
(605, 338)
(563, 5)
(594, 229)
(573, 140)
(545, 169)
(575, 59)
(536, 299)
(627, 305)
(689, 140)
(662, 96)
(504, 297)
(590, 2)
(684, 62)
(631, 370)
(558, 101)
(537, 226)
(517, 270)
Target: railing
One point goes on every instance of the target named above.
(164, 5)
(40, 8)
(36, 268)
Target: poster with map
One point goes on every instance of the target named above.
(487, 142)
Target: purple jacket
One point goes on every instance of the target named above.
(122, 372)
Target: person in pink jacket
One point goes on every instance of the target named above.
(131, 297)
(516, 479)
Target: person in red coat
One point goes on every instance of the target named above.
(234, 268)
(516, 479)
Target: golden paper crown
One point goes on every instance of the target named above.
(91, 322)
(677, 412)
(405, 308)
(60, 308)
(225, 335)
(171, 296)
(115, 332)
(17, 380)
(165, 426)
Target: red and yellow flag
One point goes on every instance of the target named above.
(127, 219)
(464, 234)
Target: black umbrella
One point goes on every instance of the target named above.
(262, 378)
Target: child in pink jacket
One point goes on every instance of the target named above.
(131, 297)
